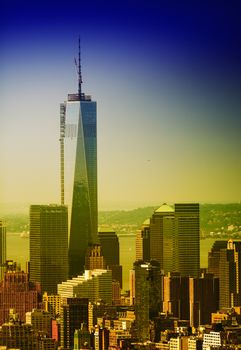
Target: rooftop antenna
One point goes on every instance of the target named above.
(78, 67)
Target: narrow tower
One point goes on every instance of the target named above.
(78, 147)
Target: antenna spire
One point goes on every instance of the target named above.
(80, 82)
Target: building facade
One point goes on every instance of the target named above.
(95, 285)
(16, 292)
(224, 261)
(48, 246)
(187, 231)
(203, 298)
(111, 251)
(148, 291)
(74, 313)
(143, 242)
(163, 245)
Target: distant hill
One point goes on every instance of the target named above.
(217, 219)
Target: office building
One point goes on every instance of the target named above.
(52, 303)
(224, 261)
(187, 231)
(74, 313)
(111, 251)
(48, 246)
(78, 148)
(93, 284)
(2, 248)
(176, 295)
(16, 292)
(41, 321)
(110, 247)
(229, 275)
(214, 257)
(94, 258)
(16, 334)
(162, 238)
(148, 291)
(143, 242)
(172, 238)
(204, 299)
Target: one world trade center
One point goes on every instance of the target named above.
(78, 152)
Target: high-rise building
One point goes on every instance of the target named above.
(176, 295)
(172, 238)
(230, 275)
(214, 257)
(147, 296)
(204, 298)
(16, 292)
(187, 231)
(2, 248)
(93, 284)
(162, 238)
(78, 153)
(48, 246)
(143, 242)
(110, 247)
(224, 261)
(111, 251)
(73, 314)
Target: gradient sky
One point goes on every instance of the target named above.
(167, 80)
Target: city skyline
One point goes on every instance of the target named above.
(167, 82)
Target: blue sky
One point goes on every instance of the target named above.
(166, 77)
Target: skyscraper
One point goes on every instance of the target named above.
(148, 291)
(2, 248)
(48, 246)
(143, 242)
(171, 237)
(78, 151)
(111, 251)
(187, 231)
(162, 238)
(73, 314)
(17, 293)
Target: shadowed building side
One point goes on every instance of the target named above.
(48, 246)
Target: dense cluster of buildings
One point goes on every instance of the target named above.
(71, 297)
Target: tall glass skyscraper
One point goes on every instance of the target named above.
(78, 147)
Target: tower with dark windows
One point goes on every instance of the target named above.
(48, 245)
(148, 292)
(78, 151)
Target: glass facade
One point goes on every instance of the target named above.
(79, 176)
(48, 246)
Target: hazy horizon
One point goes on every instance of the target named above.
(167, 81)
(20, 207)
